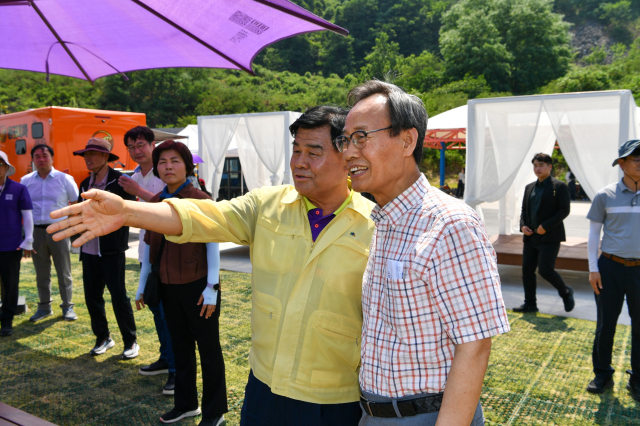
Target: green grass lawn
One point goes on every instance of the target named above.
(536, 376)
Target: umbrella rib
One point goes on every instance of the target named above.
(62, 43)
(192, 36)
(299, 15)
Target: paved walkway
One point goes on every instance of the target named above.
(236, 258)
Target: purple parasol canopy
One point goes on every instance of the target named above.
(88, 39)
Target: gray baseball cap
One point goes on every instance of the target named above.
(626, 149)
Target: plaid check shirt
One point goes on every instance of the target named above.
(431, 283)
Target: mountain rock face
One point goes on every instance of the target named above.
(589, 35)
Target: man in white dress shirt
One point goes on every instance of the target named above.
(50, 190)
(144, 185)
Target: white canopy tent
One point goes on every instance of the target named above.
(263, 146)
(190, 133)
(453, 119)
(504, 134)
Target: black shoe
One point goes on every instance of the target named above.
(633, 386)
(526, 308)
(599, 385)
(170, 387)
(7, 329)
(211, 422)
(568, 300)
(159, 367)
(175, 415)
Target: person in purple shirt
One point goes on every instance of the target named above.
(15, 214)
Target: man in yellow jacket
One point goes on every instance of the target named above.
(309, 249)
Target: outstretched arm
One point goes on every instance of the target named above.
(105, 212)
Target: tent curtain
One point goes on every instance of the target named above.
(290, 118)
(255, 173)
(214, 138)
(267, 135)
(505, 133)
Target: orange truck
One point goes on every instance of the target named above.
(65, 130)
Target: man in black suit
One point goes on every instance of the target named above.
(546, 203)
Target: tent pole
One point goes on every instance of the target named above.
(442, 162)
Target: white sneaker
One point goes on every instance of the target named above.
(175, 415)
(132, 352)
(102, 347)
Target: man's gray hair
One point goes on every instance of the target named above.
(405, 111)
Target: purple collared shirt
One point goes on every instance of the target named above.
(318, 222)
(14, 197)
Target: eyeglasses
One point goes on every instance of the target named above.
(136, 147)
(358, 138)
(633, 159)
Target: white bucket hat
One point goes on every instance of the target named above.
(4, 157)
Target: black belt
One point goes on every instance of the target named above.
(42, 226)
(408, 408)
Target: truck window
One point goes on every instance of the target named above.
(37, 131)
(21, 147)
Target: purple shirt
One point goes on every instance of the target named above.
(318, 222)
(14, 198)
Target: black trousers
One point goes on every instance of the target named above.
(98, 271)
(187, 327)
(543, 257)
(10, 276)
(262, 407)
(572, 189)
(460, 189)
(618, 281)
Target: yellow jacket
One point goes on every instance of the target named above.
(306, 318)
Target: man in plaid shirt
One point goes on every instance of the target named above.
(431, 296)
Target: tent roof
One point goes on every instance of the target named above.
(160, 135)
(453, 119)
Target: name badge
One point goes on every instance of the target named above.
(8, 197)
(395, 270)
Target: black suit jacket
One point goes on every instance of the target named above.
(117, 241)
(555, 205)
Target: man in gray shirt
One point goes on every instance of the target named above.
(616, 273)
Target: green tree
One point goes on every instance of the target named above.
(422, 73)
(471, 44)
(518, 45)
(162, 94)
(537, 38)
(359, 17)
(383, 58)
(21, 90)
(413, 24)
(617, 17)
(584, 80)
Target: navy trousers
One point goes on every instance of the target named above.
(618, 281)
(261, 407)
(166, 348)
